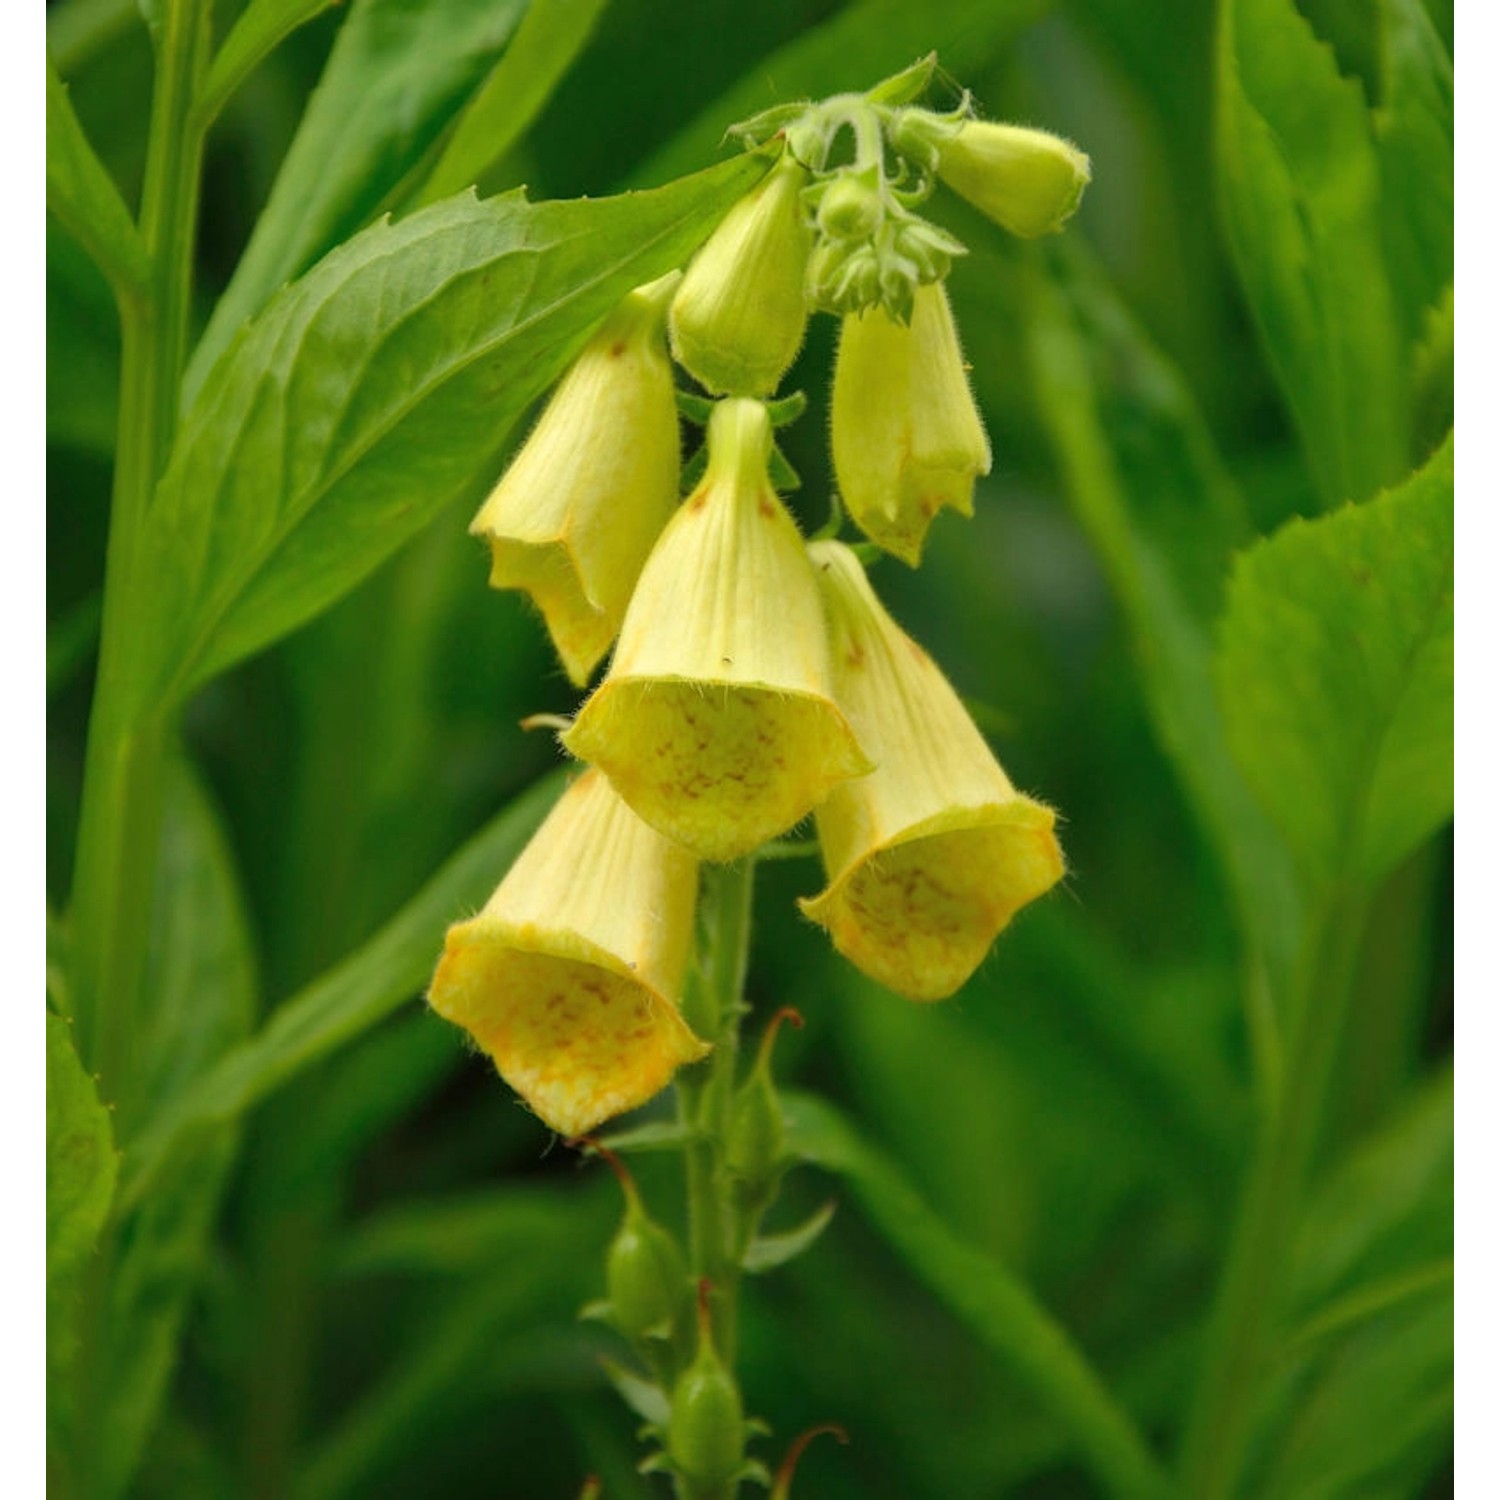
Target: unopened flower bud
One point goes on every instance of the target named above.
(645, 1274)
(755, 1147)
(714, 721)
(907, 439)
(1027, 181)
(850, 207)
(574, 516)
(570, 977)
(706, 1433)
(739, 316)
(930, 856)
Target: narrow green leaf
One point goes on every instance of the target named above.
(990, 1300)
(371, 983)
(1414, 139)
(71, 641)
(85, 199)
(81, 1170)
(1336, 675)
(656, 1135)
(395, 77)
(1162, 517)
(262, 27)
(548, 39)
(1300, 189)
(375, 391)
(767, 1251)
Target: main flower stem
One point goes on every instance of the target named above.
(705, 1095)
(1239, 1331)
(123, 770)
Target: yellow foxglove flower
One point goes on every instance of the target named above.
(930, 856)
(907, 439)
(574, 517)
(739, 316)
(571, 975)
(1027, 181)
(715, 721)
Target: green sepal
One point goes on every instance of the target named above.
(753, 1471)
(907, 86)
(659, 1135)
(785, 410)
(760, 128)
(767, 1251)
(697, 409)
(641, 1394)
(783, 476)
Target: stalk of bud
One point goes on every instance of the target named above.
(930, 856)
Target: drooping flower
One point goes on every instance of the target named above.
(715, 721)
(570, 977)
(572, 520)
(930, 856)
(907, 438)
(739, 317)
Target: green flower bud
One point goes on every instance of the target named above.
(644, 1271)
(851, 207)
(755, 1147)
(738, 318)
(706, 1432)
(1027, 181)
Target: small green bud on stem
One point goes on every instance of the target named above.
(706, 1433)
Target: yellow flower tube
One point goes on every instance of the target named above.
(930, 856)
(907, 438)
(715, 721)
(1027, 181)
(572, 520)
(570, 977)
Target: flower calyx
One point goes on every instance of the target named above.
(755, 1151)
(707, 1429)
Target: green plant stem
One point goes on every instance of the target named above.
(1240, 1331)
(122, 789)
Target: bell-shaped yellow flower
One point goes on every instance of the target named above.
(930, 856)
(715, 721)
(574, 517)
(907, 439)
(571, 975)
(740, 314)
(1027, 181)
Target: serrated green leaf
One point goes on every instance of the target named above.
(81, 1170)
(85, 199)
(548, 39)
(261, 27)
(1414, 139)
(375, 391)
(397, 74)
(987, 1297)
(1300, 190)
(1335, 671)
(767, 1251)
(343, 1004)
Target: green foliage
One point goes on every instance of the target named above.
(1336, 674)
(311, 1247)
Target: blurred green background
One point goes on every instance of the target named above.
(375, 1293)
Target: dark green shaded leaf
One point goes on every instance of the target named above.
(395, 76)
(1414, 139)
(550, 36)
(1300, 190)
(84, 198)
(262, 26)
(81, 1169)
(990, 1300)
(372, 982)
(83, 352)
(376, 390)
(1336, 676)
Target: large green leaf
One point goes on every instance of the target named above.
(81, 1169)
(1336, 676)
(397, 74)
(345, 1003)
(373, 392)
(1414, 139)
(1300, 189)
(550, 37)
(994, 1304)
(1148, 489)
(85, 199)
